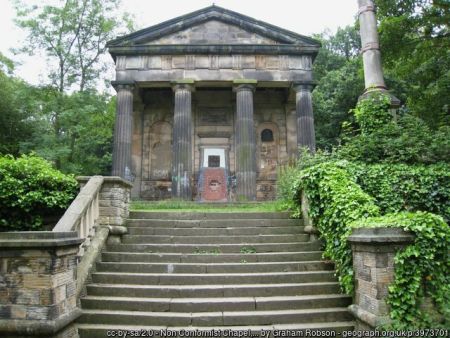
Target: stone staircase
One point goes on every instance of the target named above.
(209, 271)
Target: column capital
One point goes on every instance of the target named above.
(186, 84)
(123, 85)
(303, 86)
(244, 84)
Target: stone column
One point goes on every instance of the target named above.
(38, 280)
(245, 141)
(370, 50)
(306, 137)
(182, 141)
(123, 131)
(374, 250)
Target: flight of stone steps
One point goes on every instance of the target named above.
(208, 271)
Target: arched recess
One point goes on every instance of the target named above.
(160, 150)
(267, 134)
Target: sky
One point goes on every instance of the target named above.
(305, 17)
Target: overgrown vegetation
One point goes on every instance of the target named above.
(422, 270)
(31, 191)
(186, 206)
(369, 176)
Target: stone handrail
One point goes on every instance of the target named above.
(83, 214)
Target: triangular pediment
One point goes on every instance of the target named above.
(213, 32)
(213, 25)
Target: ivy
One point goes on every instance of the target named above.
(30, 191)
(421, 270)
(335, 201)
(372, 113)
(345, 194)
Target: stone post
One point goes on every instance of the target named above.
(182, 141)
(114, 199)
(123, 131)
(245, 141)
(370, 50)
(306, 137)
(38, 284)
(374, 250)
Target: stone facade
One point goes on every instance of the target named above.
(211, 83)
(38, 284)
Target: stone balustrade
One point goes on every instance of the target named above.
(42, 273)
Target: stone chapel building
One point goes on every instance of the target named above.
(209, 104)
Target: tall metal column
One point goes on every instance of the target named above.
(245, 142)
(123, 131)
(182, 142)
(306, 137)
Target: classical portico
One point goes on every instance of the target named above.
(209, 104)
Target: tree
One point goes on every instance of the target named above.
(415, 44)
(73, 36)
(73, 123)
(16, 124)
(338, 70)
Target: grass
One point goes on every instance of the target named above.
(185, 206)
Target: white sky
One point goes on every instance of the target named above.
(301, 16)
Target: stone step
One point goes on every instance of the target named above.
(230, 231)
(249, 248)
(207, 215)
(280, 330)
(214, 304)
(157, 239)
(210, 258)
(216, 223)
(212, 278)
(213, 267)
(225, 318)
(212, 290)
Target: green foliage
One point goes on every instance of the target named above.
(187, 206)
(406, 140)
(15, 122)
(372, 112)
(30, 191)
(335, 200)
(73, 36)
(340, 78)
(247, 250)
(421, 270)
(414, 37)
(401, 187)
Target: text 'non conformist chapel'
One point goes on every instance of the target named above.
(209, 104)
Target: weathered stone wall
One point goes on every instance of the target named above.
(374, 250)
(114, 199)
(38, 284)
(213, 32)
(213, 112)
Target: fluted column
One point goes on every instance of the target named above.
(182, 142)
(306, 137)
(245, 143)
(123, 131)
(373, 72)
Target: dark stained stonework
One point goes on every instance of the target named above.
(182, 142)
(123, 132)
(245, 143)
(165, 130)
(305, 118)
